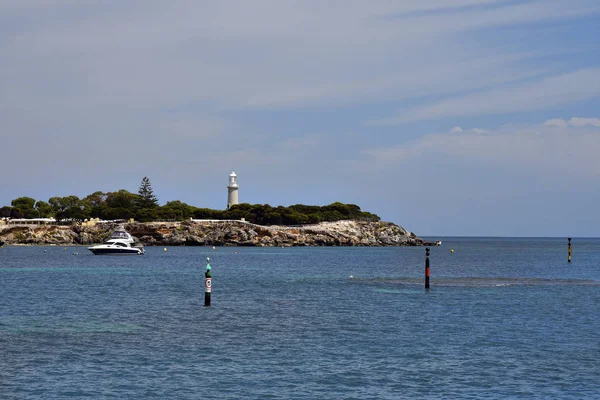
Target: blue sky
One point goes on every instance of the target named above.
(464, 117)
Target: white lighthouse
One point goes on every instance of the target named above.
(232, 190)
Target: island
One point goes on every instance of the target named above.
(73, 221)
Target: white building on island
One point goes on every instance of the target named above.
(232, 190)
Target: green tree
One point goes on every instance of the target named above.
(147, 214)
(26, 206)
(119, 205)
(237, 211)
(95, 203)
(44, 209)
(144, 207)
(15, 213)
(176, 210)
(122, 199)
(147, 198)
(274, 218)
(96, 199)
(68, 207)
(5, 211)
(207, 213)
(118, 213)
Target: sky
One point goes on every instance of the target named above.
(447, 117)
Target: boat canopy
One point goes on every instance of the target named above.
(120, 235)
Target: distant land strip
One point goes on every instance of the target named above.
(217, 233)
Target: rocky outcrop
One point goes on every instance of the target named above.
(219, 233)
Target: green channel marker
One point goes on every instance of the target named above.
(207, 284)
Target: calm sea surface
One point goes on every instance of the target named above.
(504, 318)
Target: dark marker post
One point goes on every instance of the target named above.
(570, 249)
(427, 268)
(207, 284)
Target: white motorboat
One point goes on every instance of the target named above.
(120, 243)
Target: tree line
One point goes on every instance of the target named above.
(144, 207)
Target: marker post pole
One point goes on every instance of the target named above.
(207, 284)
(570, 249)
(427, 268)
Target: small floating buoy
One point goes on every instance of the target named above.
(451, 250)
(351, 277)
(165, 249)
(214, 247)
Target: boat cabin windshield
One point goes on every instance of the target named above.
(120, 235)
(116, 242)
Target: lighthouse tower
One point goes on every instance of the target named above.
(232, 190)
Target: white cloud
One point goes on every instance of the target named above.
(261, 54)
(575, 121)
(561, 123)
(458, 129)
(549, 92)
(552, 148)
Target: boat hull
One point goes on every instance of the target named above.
(116, 252)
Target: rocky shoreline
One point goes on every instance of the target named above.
(218, 233)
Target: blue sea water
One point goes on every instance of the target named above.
(504, 318)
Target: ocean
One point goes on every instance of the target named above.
(504, 318)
